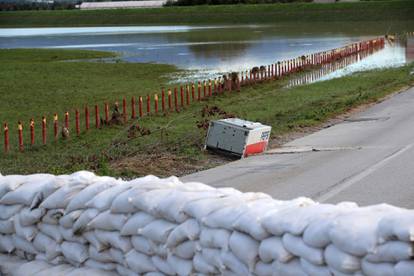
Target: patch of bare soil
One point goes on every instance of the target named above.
(165, 164)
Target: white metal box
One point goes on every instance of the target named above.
(237, 136)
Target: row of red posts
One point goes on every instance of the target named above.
(172, 100)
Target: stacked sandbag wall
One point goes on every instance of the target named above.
(153, 226)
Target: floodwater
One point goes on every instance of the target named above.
(207, 51)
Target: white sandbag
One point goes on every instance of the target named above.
(91, 238)
(68, 235)
(149, 200)
(186, 250)
(33, 190)
(295, 219)
(263, 269)
(62, 196)
(99, 256)
(215, 238)
(340, 260)
(181, 266)
(6, 244)
(69, 219)
(314, 270)
(26, 232)
(31, 268)
(188, 230)
(114, 239)
(161, 250)
(399, 224)
(232, 263)
(245, 248)
(58, 270)
(202, 266)
(24, 245)
(135, 222)
(99, 265)
(53, 216)
(360, 227)
(123, 271)
(154, 274)
(28, 217)
(7, 226)
(404, 268)
(10, 183)
(291, 268)
(103, 200)
(84, 177)
(24, 255)
(162, 265)
(143, 245)
(203, 207)
(121, 204)
(51, 230)
(8, 211)
(297, 247)
(79, 201)
(317, 233)
(171, 207)
(90, 272)
(272, 249)
(53, 252)
(391, 251)
(117, 256)
(213, 258)
(377, 269)
(75, 252)
(41, 241)
(138, 262)
(87, 216)
(158, 230)
(10, 263)
(225, 217)
(108, 221)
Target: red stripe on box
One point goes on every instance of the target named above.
(255, 148)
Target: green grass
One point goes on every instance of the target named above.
(174, 145)
(224, 14)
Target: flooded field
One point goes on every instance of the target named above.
(208, 51)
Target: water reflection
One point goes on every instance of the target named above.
(392, 55)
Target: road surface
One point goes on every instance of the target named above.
(368, 158)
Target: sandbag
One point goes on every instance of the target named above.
(341, 261)
(61, 197)
(123, 271)
(81, 223)
(26, 232)
(51, 230)
(186, 250)
(99, 256)
(69, 219)
(7, 226)
(404, 268)
(181, 267)
(108, 221)
(297, 247)
(121, 203)
(272, 249)
(135, 222)
(143, 245)
(68, 235)
(91, 238)
(188, 230)
(117, 255)
(291, 268)
(75, 252)
(399, 224)
(53, 216)
(314, 270)
(158, 230)
(391, 251)
(8, 211)
(114, 239)
(215, 238)
(202, 266)
(377, 269)
(138, 262)
(79, 201)
(263, 269)
(103, 200)
(24, 245)
(233, 263)
(6, 244)
(162, 265)
(245, 248)
(28, 217)
(99, 265)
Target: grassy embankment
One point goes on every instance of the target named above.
(34, 82)
(224, 14)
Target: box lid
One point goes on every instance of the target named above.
(240, 123)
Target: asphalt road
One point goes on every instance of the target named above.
(368, 158)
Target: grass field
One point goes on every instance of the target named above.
(39, 81)
(224, 14)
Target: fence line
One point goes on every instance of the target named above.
(185, 96)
